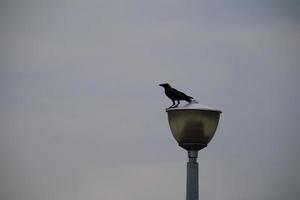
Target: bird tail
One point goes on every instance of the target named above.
(189, 99)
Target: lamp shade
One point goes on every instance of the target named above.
(193, 125)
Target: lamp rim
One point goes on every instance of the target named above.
(195, 109)
(194, 106)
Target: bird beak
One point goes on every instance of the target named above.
(160, 84)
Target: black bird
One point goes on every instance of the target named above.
(175, 95)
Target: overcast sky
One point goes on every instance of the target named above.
(82, 116)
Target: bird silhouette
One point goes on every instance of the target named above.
(175, 95)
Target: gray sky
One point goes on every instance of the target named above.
(82, 117)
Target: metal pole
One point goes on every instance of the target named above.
(192, 189)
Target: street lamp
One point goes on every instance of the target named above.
(193, 126)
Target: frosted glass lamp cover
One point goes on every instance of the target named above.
(193, 125)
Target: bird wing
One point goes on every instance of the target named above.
(180, 95)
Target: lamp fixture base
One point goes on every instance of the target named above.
(192, 146)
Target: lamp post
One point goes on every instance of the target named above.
(193, 126)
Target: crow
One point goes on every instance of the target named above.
(175, 95)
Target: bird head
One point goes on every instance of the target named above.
(165, 85)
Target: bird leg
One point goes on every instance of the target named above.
(172, 106)
(178, 102)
